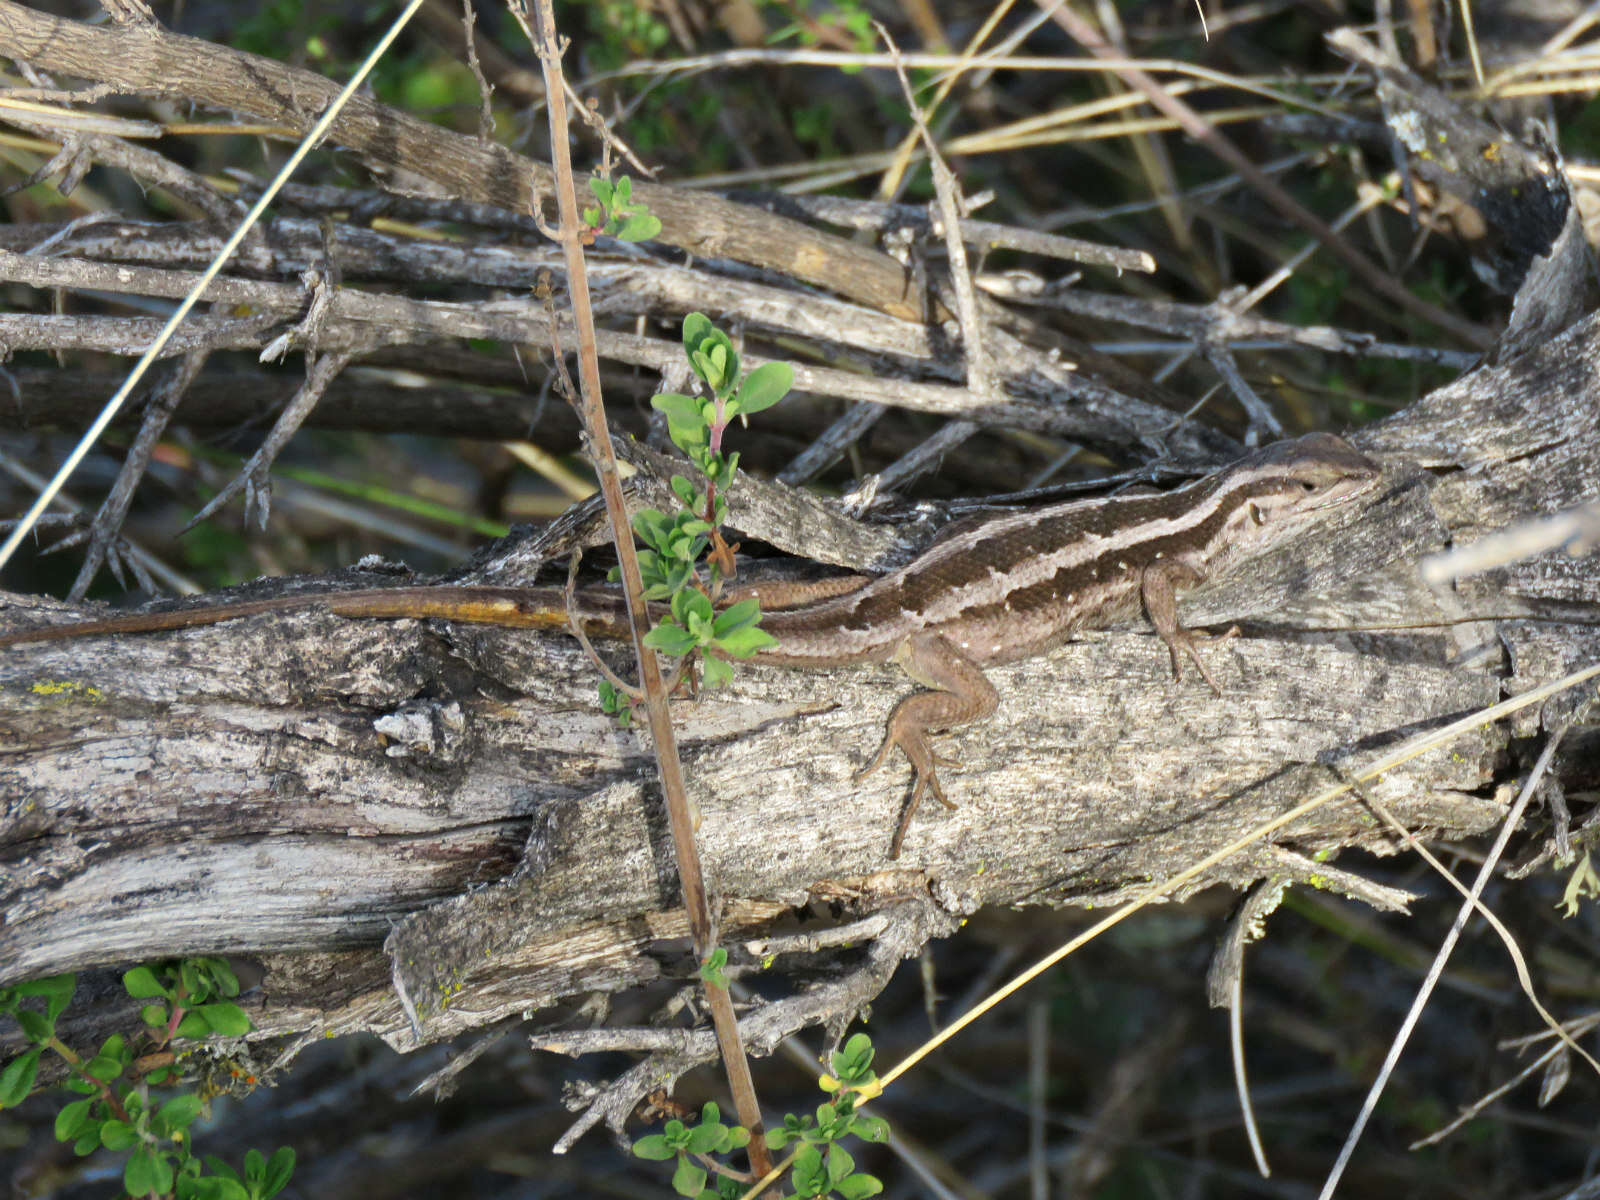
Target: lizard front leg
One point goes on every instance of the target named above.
(962, 693)
(1158, 585)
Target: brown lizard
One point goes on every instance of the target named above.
(1008, 588)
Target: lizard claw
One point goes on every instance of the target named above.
(924, 764)
(1184, 639)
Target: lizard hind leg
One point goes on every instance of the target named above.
(962, 694)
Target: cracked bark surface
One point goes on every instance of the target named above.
(350, 802)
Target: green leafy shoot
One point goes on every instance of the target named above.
(820, 1167)
(616, 215)
(711, 970)
(116, 1107)
(696, 424)
(682, 557)
(692, 1147)
(615, 704)
(195, 995)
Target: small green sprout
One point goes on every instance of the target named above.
(617, 215)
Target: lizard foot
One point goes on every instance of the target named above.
(1186, 639)
(924, 764)
(963, 694)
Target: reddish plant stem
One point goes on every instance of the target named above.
(592, 410)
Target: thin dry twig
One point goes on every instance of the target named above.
(254, 478)
(469, 24)
(1205, 131)
(114, 405)
(1490, 861)
(980, 380)
(107, 528)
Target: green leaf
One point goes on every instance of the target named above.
(670, 639)
(716, 673)
(57, 990)
(36, 1027)
(217, 1167)
(696, 328)
(870, 1129)
(211, 1188)
(707, 1137)
(279, 1169)
(738, 1137)
(745, 642)
(640, 227)
(688, 495)
(141, 983)
(858, 1187)
(654, 1147)
(710, 365)
(189, 975)
(710, 353)
(793, 1127)
(691, 608)
(737, 616)
(89, 1142)
(653, 526)
(624, 191)
(193, 1025)
(116, 1135)
(226, 1018)
(693, 440)
(142, 1175)
(764, 387)
(72, 1120)
(104, 1067)
(852, 1062)
(179, 1112)
(153, 1014)
(678, 408)
(689, 1178)
(223, 981)
(602, 189)
(840, 1164)
(807, 1173)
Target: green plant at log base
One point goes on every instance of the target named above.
(118, 1110)
(820, 1167)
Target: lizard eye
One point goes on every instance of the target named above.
(1256, 515)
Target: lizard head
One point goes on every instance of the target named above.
(1282, 485)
